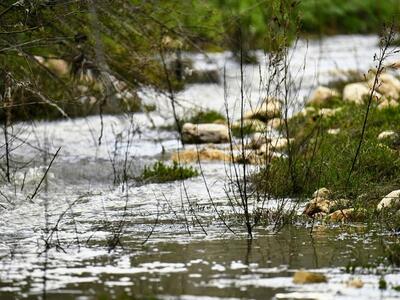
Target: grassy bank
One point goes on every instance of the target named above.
(323, 151)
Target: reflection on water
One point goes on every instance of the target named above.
(228, 266)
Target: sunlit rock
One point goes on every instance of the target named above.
(304, 277)
(322, 193)
(355, 92)
(321, 94)
(387, 85)
(317, 205)
(205, 154)
(333, 131)
(388, 135)
(391, 200)
(204, 133)
(275, 123)
(58, 66)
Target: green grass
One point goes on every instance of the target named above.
(320, 159)
(208, 116)
(161, 172)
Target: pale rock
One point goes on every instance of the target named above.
(355, 92)
(205, 154)
(205, 133)
(58, 66)
(275, 123)
(387, 85)
(270, 108)
(333, 131)
(391, 200)
(322, 193)
(317, 205)
(321, 94)
(388, 135)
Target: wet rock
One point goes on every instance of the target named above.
(391, 200)
(204, 133)
(205, 154)
(322, 193)
(321, 205)
(388, 135)
(388, 85)
(355, 92)
(321, 95)
(317, 205)
(347, 215)
(269, 109)
(304, 277)
(355, 283)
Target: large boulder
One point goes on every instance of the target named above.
(269, 109)
(205, 133)
(391, 200)
(355, 92)
(321, 95)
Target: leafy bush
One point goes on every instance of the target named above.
(161, 172)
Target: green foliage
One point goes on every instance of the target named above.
(161, 172)
(342, 16)
(323, 159)
(208, 116)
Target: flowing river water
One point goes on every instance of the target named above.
(166, 240)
